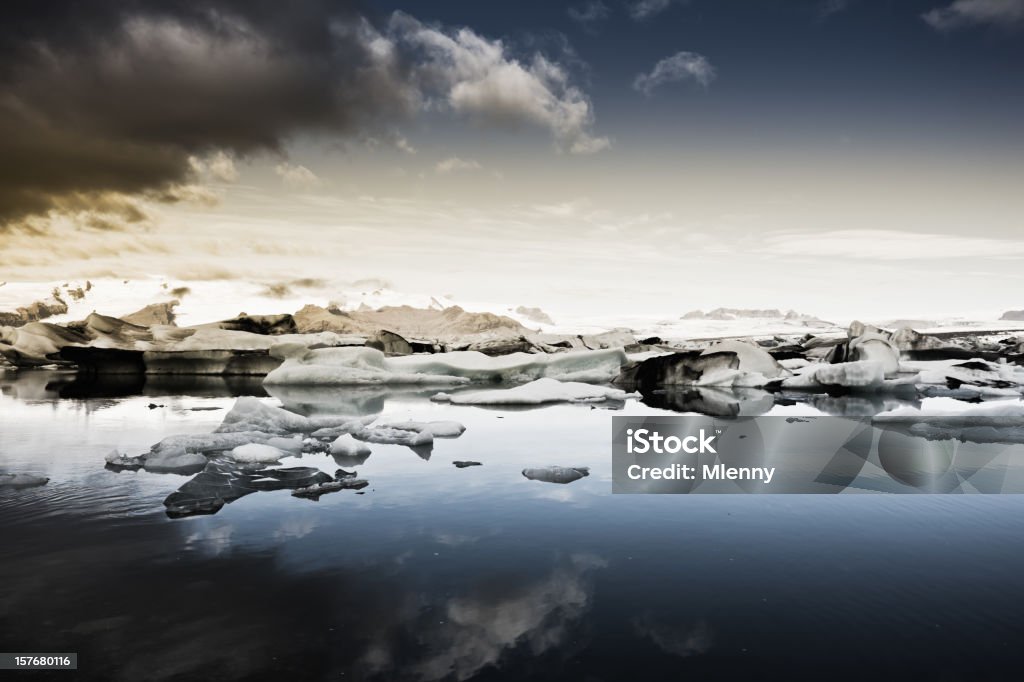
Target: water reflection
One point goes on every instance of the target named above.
(830, 455)
(234, 613)
(356, 401)
(480, 574)
(712, 401)
(724, 401)
(159, 385)
(499, 615)
(55, 385)
(678, 639)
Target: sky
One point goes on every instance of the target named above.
(841, 157)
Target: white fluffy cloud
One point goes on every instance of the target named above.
(962, 13)
(454, 164)
(480, 79)
(680, 66)
(296, 176)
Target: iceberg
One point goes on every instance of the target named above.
(861, 374)
(256, 452)
(439, 429)
(254, 431)
(394, 436)
(751, 358)
(347, 446)
(727, 363)
(356, 366)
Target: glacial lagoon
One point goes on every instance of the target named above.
(435, 571)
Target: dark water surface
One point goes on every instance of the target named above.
(478, 573)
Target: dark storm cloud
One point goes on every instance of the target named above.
(102, 103)
(114, 98)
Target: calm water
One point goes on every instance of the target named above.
(478, 573)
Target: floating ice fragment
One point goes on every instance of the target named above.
(439, 429)
(256, 452)
(347, 446)
(556, 474)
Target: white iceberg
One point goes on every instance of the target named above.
(874, 347)
(394, 436)
(752, 359)
(256, 452)
(348, 446)
(862, 375)
(355, 366)
(439, 429)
